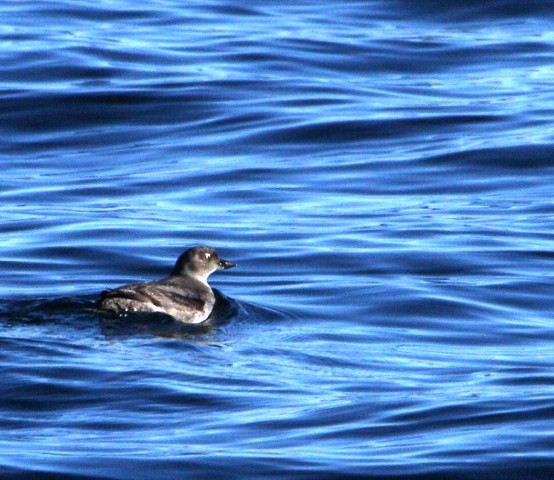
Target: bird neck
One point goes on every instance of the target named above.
(198, 276)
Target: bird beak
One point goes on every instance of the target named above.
(226, 264)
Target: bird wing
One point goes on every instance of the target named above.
(161, 296)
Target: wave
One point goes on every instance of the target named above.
(473, 10)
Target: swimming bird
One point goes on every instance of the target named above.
(185, 294)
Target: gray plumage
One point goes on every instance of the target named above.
(185, 294)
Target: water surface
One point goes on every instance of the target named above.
(382, 172)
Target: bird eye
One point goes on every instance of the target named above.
(207, 255)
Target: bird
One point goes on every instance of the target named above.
(184, 295)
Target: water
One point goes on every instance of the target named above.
(382, 172)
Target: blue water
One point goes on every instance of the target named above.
(381, 171)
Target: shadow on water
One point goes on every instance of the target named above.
(77, 312)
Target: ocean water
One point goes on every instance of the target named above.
(381, 171)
